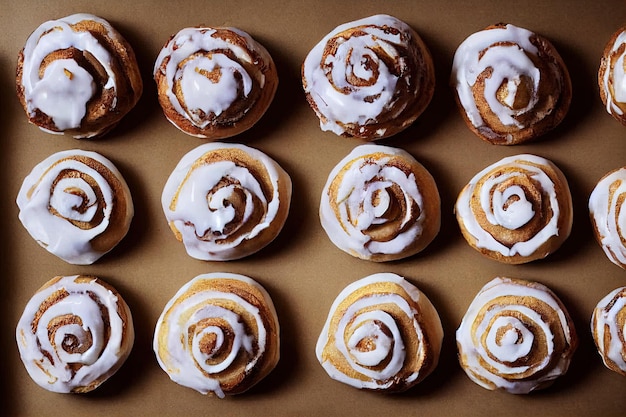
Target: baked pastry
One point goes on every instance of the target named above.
(608, 328)
(226, 201)
(511, 84)
(76, 205)
(382, 333)
(380, 204)
(607, 212)
(77, 75)
(516, 336)
(219, 334)
(75, 333)
(516, 210)
(214, 82)
(370, 78)
(612, 75)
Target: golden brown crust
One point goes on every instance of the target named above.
(410, 64)
(244, 111)
(552, 96)
(552, 211)
(199, 312)
(108, 105)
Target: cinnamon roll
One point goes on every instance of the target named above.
(516, 210)
(218, 335)
(511, 84)
(75, 333)
(382, 334)
(608, 328)
(214, 82)
(370, 78)
(380, 204)
(608, 215)
(76, 205)
(226, 201)
(612, 76)
(516, 336)
(77, 75)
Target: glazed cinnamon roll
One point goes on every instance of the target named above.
(516, 210)
(218, 335)
(214, 82)
(76, 205)
(511, 84)
(516, 336)
(382, 334)
(380, 204)
(612, 76)
(608, 328)
(226, 201)
(77, 75)
(608, 215)
(75, 333)
(370, 78)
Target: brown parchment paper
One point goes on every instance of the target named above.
(302, 270)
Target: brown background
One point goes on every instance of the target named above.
(302, 270)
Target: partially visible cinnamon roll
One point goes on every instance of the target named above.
(516, 210)
(219, 334)
(76, 205)
(214, 82)
(75, 333)
(612, 76)
(511, 84)
(608, 328)
(608, 215)
(370, 78)
(516, 336)
(382, 333)
(77, 75)
(226, 201)
(380, 204)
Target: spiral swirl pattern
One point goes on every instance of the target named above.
(226, 201)
(214, 82)
(515, 336)
(76, 204)
(380, 204)
(608, 327)
(612, 76)
(219, 334)
(382, 333)
(608, 215)
(77, 75)
(511, 84)
(370, 78)
(516, 210)
(75, 332)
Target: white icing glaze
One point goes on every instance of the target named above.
(485, 344)
(365, 178)
(50, 202)
(203, 96)
(510, 62)
(604, 319)
(42, 352)
(609, 215)
(517, 214)
(182, 317)
(197, 212)
(327, 82)
(65, 88)
(365, 320)
(615, 76)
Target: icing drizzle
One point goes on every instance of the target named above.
(68, 200)
(86, 317)
(609, 316)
